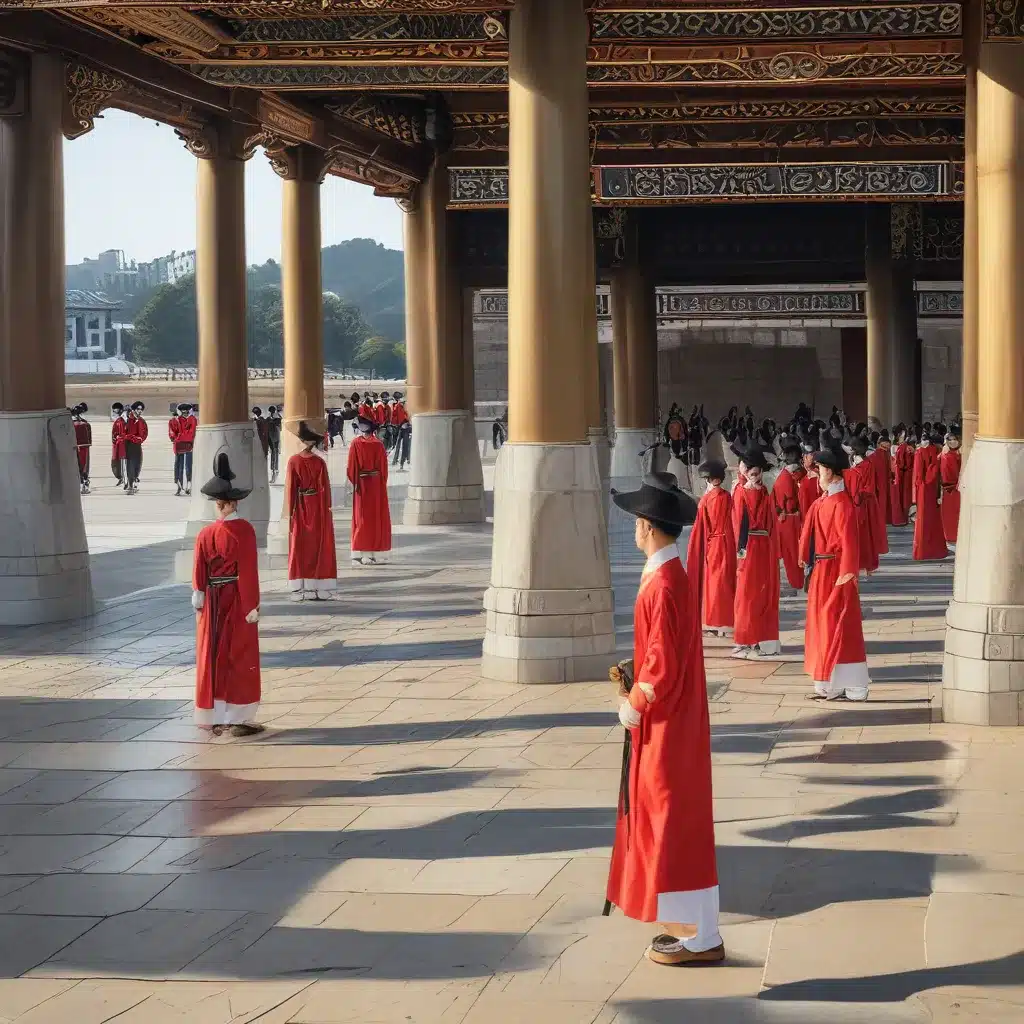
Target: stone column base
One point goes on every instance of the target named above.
(602, 448)
(446, 479)
(626, 465)
(44, 554)
(549, 607)
(245, 453)
(983, 667)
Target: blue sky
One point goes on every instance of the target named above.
(130, 184)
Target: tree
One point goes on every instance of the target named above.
(265, 327)
(165, 329)
(344, 331)
(385, 358)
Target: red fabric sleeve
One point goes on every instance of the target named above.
(844, 523)
(353, 462)
(805, 535)
(199, 573)
(665, 651)
(383, 456)
(173, 429)
(248, 569)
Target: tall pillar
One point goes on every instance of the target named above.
(44, 555)
(973, 15)
(225, 421)
(549, 605)
(446, 481)
(905, 387)
(878, 270)
(597, 428)
(303, 169)
(634, 315)
(983, 670)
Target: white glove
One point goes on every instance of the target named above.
(628, 715)
(253, 616)
(198, 599)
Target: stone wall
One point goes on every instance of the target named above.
(940, 371)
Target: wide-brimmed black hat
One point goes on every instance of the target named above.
(832, 458)
(660, 499)
(219, 486)
(712, 469)
(306, 434)
(365, 424)
(858, 444)
(385, 396)
(184, 407)
(397, 396)
(753, 457)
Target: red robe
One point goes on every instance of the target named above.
(929, 540)
(901, 492)
(227, 647)
(884, 470)
(828, 546)
(757, 573)
(182, 432)
(786, 494)
(880, 465)
(137, 429)
(118, 433)
(666, 844)
(368, 475)
(810, 491)
(399, 414)
(311, 555)
(860, 485)
(83, 442)
(380, 414)
(949, 473)
(711, 560)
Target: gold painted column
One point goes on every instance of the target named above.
(983, 670)
(620, 350)
(973, 16)
(878, 269)
(44, 555)
(549, 605)
(225, 423)
(445, 472)
(637, 373)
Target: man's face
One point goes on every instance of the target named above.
(953, 443)
(675, 430)
(753, 474)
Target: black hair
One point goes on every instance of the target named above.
(669, 529)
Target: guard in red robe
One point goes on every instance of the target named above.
(711, 553)
(663, 865)
(83, 443)
(756, 614)
(860, 486)
(368, 475)
(949, 474)
(902, 490)
(786, 495)
(312, 560)
(380, 410)
(136, 433)
(181, 430)
(226, 597)
(883, 468)
(929, 540)
(118, 432)
(365, 407)
(809, 491)
(880, 466)
(834, 654)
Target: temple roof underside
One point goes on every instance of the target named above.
(689, 102)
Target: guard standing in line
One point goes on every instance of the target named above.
(274, 440)
(83, 443)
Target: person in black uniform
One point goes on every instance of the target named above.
(274, 441)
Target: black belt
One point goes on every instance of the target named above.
(221, 581)
(306, 493)
(757, 533)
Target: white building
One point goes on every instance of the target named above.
(92, 341)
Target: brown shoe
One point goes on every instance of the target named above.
(238, 731)
(683, 957)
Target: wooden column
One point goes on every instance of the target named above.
(1000, 149)
(973, 16)
(417, 320)
(547, 243)
(303, 169)
(222, 148)
(879, 274)
(32, 322)
(620, 348)
(591, 355)
(641, 349)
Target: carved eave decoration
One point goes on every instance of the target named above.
(90, 90)
(404, 120)
(179, 32)
(275, 8)
(385, 181)
(221, 139)
(1004, 20)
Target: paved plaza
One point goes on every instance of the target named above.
(410, 842)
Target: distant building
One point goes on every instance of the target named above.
(113, 274)
(167, 269)
(92, 341)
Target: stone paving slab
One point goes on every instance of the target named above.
(410, 842)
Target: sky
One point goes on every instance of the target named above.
(130, 184)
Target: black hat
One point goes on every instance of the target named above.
(712, 469)
(883, 436)
(271, 409)
(790, 450)
(384, 395)
(858, 444)
(660, 499)
(832, 458)
(257, 411)
(365, 424)
(219, 485)
(118, 406)
(753, 457)
(81, 408)
(184, 407)
(138, 406)
(306, 434)
(397, 396)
